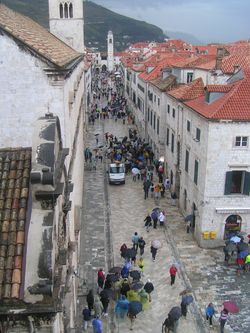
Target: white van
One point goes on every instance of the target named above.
(116, 173)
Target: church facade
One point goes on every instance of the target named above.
(44, 73)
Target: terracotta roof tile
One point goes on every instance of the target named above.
(36, 37)
(188, 91)
(232, 105)
(14, 191)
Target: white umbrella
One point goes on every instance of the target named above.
(135, 171)
(156, 244)
(117, 73)
(235, 239)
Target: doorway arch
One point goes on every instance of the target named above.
(232, 225)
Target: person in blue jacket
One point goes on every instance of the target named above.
(209, 313)
(97, 325)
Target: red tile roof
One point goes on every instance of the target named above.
(229, 62)
(36, 37)
(232, 105)
(188, 91)
(14, 192)
(201, 61)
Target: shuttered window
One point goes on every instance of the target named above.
(237, 182)
(196, 171)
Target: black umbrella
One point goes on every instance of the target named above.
(136, 275)
(115, 269)
(130, 253)
(134, 308)
(149, 287)
(242, 247)
(107, 293)
(97, 134)
(189, 218)
(175, 313)
(101, 146)
(113, 277)
(137, 285)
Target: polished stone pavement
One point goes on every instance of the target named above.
(113, 213)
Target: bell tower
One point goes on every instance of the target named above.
(110, 57)
(66, 22)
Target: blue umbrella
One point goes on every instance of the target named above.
(134, 308)
(187, 299)
(243, 254)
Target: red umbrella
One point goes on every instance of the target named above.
(231, 307)
(248, 236)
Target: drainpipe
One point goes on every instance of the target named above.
(146, 112)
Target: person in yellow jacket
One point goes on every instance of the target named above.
(141, 264)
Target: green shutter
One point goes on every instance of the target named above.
(246, 187)
(228, 182)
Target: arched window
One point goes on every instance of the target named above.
(61, 10)
(70, 10)
(66, 10)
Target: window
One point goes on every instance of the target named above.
(134, 98)
(66, 14)
(151, 118)
(173, 113)
(148, 114)
(172, 143)
(158, 101)
(70, 10)
(110, 40)
(189, 77)
(237, 182)
(188, 125)
(196, 170)
(140, 88)
(198, 134)
(241, 141)
(167, 142)
(154, 98)
(154, 120)
(187, 160)
(61, 10)
(168, 108)
(158, 125)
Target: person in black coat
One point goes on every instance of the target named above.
(149, 287)
(90, 300)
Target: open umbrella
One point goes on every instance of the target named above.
(97, 134)
(235, 239)
(134, 308)
(187, 299)
(137, 285)
(113, 277)
(175, 313)
(156, 209)
(130, 253)
(231, 307)
(115, 269)
(135, 171)
(101, 146)
(136, 275)
(107, 293)
(156, 244)
(242, 247)
(189, 218)
(243, 254)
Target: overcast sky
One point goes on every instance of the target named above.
(208, 20)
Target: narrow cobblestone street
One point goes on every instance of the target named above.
(113, 213)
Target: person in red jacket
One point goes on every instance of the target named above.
(172, 272)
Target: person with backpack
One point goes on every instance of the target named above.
(141, 244)
(86, 313)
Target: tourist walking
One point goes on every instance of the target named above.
(97, 325)
(148, 222)
(149, 287)
(90, 299)
(141, 244)
(86, 313)
(153, 252)
(223, 318)
(172, 271)
(209, 313)
(135, 239)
